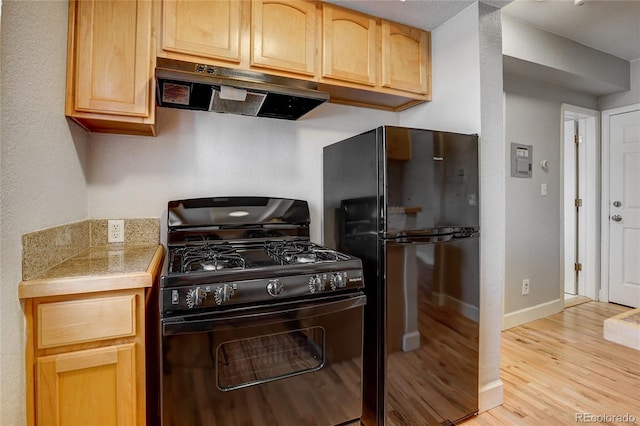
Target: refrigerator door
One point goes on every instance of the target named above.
(430, 181)
(405, 201)
(432, 313)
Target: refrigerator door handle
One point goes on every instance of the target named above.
(467, 233)
(428, 239)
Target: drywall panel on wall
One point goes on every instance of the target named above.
(455, 78)
(544, 56)
(204, 154)
(622, 99)
(42, 165)
(533, 228)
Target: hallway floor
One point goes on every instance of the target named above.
(560, 370)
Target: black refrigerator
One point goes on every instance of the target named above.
(405, 201)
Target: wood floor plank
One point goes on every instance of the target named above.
(560, 367)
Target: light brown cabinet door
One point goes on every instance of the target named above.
(91, 387)
(113, 57)
(210, 29)
(283, 35)
(348, 45)
(405, 58)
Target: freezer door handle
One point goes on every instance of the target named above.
(427, 239)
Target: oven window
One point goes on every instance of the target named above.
(246, 362)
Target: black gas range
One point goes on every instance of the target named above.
(255, 318)
(237, 251)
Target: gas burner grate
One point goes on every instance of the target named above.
(209, 257)
(301, 252)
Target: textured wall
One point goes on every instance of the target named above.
(533, 228)
(42, 168)
(204, 154)
(50, 175)
(622, 99)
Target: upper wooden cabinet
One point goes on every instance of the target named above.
(405, 58)
(110, 66)
(358, 59)
(370, 62)
(275, 36)
(349, 48)
(208, 29)
(283, 35)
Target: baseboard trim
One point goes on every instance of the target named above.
(490, 396)
(532, 313)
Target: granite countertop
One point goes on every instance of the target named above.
(101, 268)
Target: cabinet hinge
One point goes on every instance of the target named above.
(577, 267)
(577, 139)
(578, 202)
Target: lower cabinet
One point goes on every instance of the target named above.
(91, 387)
(86, 359)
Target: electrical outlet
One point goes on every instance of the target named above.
(115, 231)
(525, 286)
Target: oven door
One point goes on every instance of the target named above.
(281, 365)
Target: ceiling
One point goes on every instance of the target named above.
(611, 26)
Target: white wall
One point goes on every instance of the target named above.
(51, 175)
(533, 222)
(455, 78)
(627, 98)
(544, 56)
(42, 170)
(203, 154)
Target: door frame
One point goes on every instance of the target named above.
(591, 212)
(604, 227)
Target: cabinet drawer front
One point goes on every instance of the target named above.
(78, 321)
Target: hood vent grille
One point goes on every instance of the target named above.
(250, 106)
(201, 87)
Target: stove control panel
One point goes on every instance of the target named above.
(202, 296)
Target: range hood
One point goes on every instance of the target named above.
(204, 87)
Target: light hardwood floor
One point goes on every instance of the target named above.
(559, 368)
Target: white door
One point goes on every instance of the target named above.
(624, 208)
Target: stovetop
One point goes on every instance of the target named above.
(235, 251)
(211, 257)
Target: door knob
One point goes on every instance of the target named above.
(616, 218)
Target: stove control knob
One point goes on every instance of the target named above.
(316, 284)
(275, 287)
(223, 293)
(337, 280)
(195, 297)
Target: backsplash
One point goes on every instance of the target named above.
(136, 232)
(46, 248)
(43, 249)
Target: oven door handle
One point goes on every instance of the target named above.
(200, 323)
